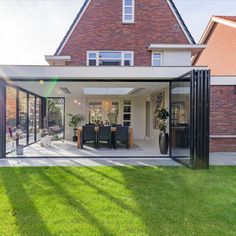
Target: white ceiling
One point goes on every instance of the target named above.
(52, 89)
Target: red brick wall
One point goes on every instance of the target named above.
(223, 145)
(223, 117)
(101, 28)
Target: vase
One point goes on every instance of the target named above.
(163, 142)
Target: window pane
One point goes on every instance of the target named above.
(92, 62)
(104, 55)
(23, 118)
(56, 117)
(128, 10)
(127, 62)
(128, 56)
(128, 17)
(10, 119)
(128, 2)
(126, 116)
(157, 63)
(92, 55)
(157, 56)
(127, 109)
(112, 62)
(31, 119)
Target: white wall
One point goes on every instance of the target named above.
(71, 107)
(177, 58)
(139, 118)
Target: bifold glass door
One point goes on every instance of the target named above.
(180, 121)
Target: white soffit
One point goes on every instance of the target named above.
(57, 60)
(194, 48)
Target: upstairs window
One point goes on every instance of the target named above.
(110, 58)
(128, 11)
(157, 59)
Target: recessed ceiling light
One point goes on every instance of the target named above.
(75, 101)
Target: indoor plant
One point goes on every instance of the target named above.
(162, 116)
(74, 121)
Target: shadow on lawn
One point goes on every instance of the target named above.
(60, 191)
(23, 207)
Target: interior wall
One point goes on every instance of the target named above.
(155, 132)
(74, 108)
(138, 113)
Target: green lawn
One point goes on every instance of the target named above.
(117, 201)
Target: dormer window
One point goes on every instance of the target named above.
(110, 58)
(128, 11)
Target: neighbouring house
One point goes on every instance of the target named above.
(220, 57)
(119, 62)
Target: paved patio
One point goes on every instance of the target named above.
(218, 159)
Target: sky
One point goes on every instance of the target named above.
(31, 29)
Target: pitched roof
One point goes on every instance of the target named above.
(85, 5)
(225, 20)
(229, 21)
(229, 18)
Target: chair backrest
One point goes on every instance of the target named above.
(88, 132)
(104, 133)
(122, 133)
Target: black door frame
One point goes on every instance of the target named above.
(199, 117)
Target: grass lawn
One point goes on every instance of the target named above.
(117, 201)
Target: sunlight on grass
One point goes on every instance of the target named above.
(117, 201)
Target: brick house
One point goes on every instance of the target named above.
(119, 62)
(220, 56)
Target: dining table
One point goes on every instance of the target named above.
(113, 130)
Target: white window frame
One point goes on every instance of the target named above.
(161, 60)
(132, 14)
(122, 57)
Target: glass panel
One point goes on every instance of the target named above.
(126, 123)
(92, 62)
(128, 2)
(128, 55)
(156, 63)
(105, 55)
(31, 119)
(56, 118)
(92, 55)
(127, 109)
(128, 10)
(127, 102)
(95, 112)
(110, 62)
(38, 117)
(10, 119)
(180, 103)
(23, 117)
(157, 56)
(128, 17)
(127, 117)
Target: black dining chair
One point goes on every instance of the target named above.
(88, 135)
(104, 134)
(121, 135)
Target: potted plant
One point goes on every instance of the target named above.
(74, 121)
(162, 116)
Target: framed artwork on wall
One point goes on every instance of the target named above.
(159, 102)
